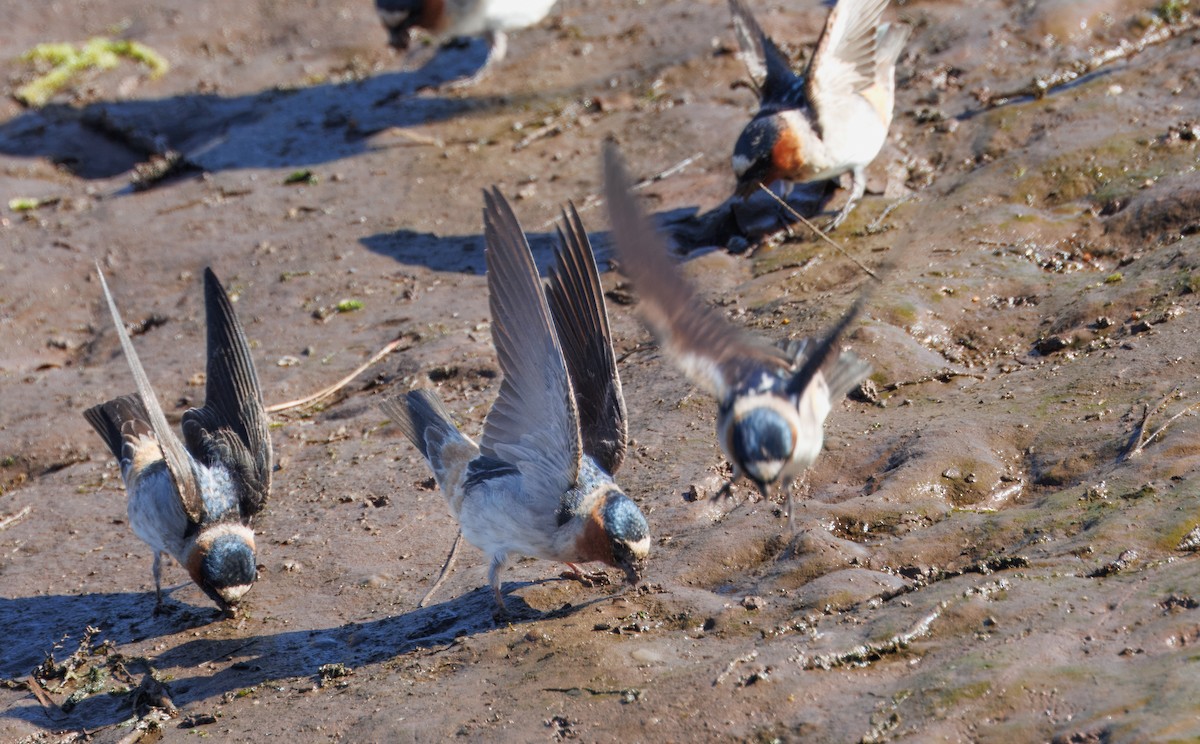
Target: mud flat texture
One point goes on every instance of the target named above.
(997, 544)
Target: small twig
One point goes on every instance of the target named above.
(326, 392)
(11, 520)
(40, 693)
(944, 375)
(1039, 87)
(820, 234)
(445, 570)
(647, 346)
(1139, 441)
(591, 201)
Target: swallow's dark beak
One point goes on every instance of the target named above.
(746, 187)
(633, 569)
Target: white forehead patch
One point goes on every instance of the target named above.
(741, 164)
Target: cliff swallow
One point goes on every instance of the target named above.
(195, 499)
(772, 402)
(539, 482)
(831, 121)
(454, 18)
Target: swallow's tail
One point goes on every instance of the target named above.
(844, 374)
(120, 421)
(427, 423)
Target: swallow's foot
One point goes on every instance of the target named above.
(590, 580)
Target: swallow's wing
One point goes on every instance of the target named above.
(178, 464)
(123, 423)
(713, 353)
(534, 423)
(231, 429)
(846, 372)
(768, 68)
(844, 60)
(581, 319)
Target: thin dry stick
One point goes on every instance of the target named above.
(819, 232)
(1140, 441)
(1040, 86)
(10, 521)
(326, 392)
(445, 570)
(592, 200)
(1135, 442)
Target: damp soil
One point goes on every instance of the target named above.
(996, 545)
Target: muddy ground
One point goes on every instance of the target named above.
(983, 553)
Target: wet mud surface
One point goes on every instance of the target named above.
(997, 544)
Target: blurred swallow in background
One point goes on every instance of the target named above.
(456, 18)
(831, 121)
(195, 499)
(539, 482)
(772, 402)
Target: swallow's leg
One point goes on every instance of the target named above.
(498, 562)
(599, 578)
(157, 570)
(497, 42)
(858, 187)
(787, 491)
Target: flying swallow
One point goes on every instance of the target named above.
(772, 402)
(831, 121)
(455, 18)
(539, 482)
(195, 498)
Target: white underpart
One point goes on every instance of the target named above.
(500, 15)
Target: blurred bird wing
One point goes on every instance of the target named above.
(714, 354)
(769, 69)
(844, 60)
(232, 427)
(534, 423)
(176, 458)
(576, 302)
(847, 372)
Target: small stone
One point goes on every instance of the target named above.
(753, 602)
(1051, 344)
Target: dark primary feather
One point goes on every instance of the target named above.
(769, 68)
(178, 464)
(577, 305)
(682, 321)
(826, 349)
(119, 421)
(231, 428)
(535, 407)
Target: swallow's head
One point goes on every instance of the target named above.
(627, 534)
(761, 441)
(222, 563)
(771, 148)
(399, 17)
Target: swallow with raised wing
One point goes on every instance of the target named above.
(539, 481)
(772, 401)
(831, 121)
(195, 499)
(457, 18)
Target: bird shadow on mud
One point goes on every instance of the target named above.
(281, 127)
(735, 224)
(459, 253)
(245, 662)
(33, 627)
